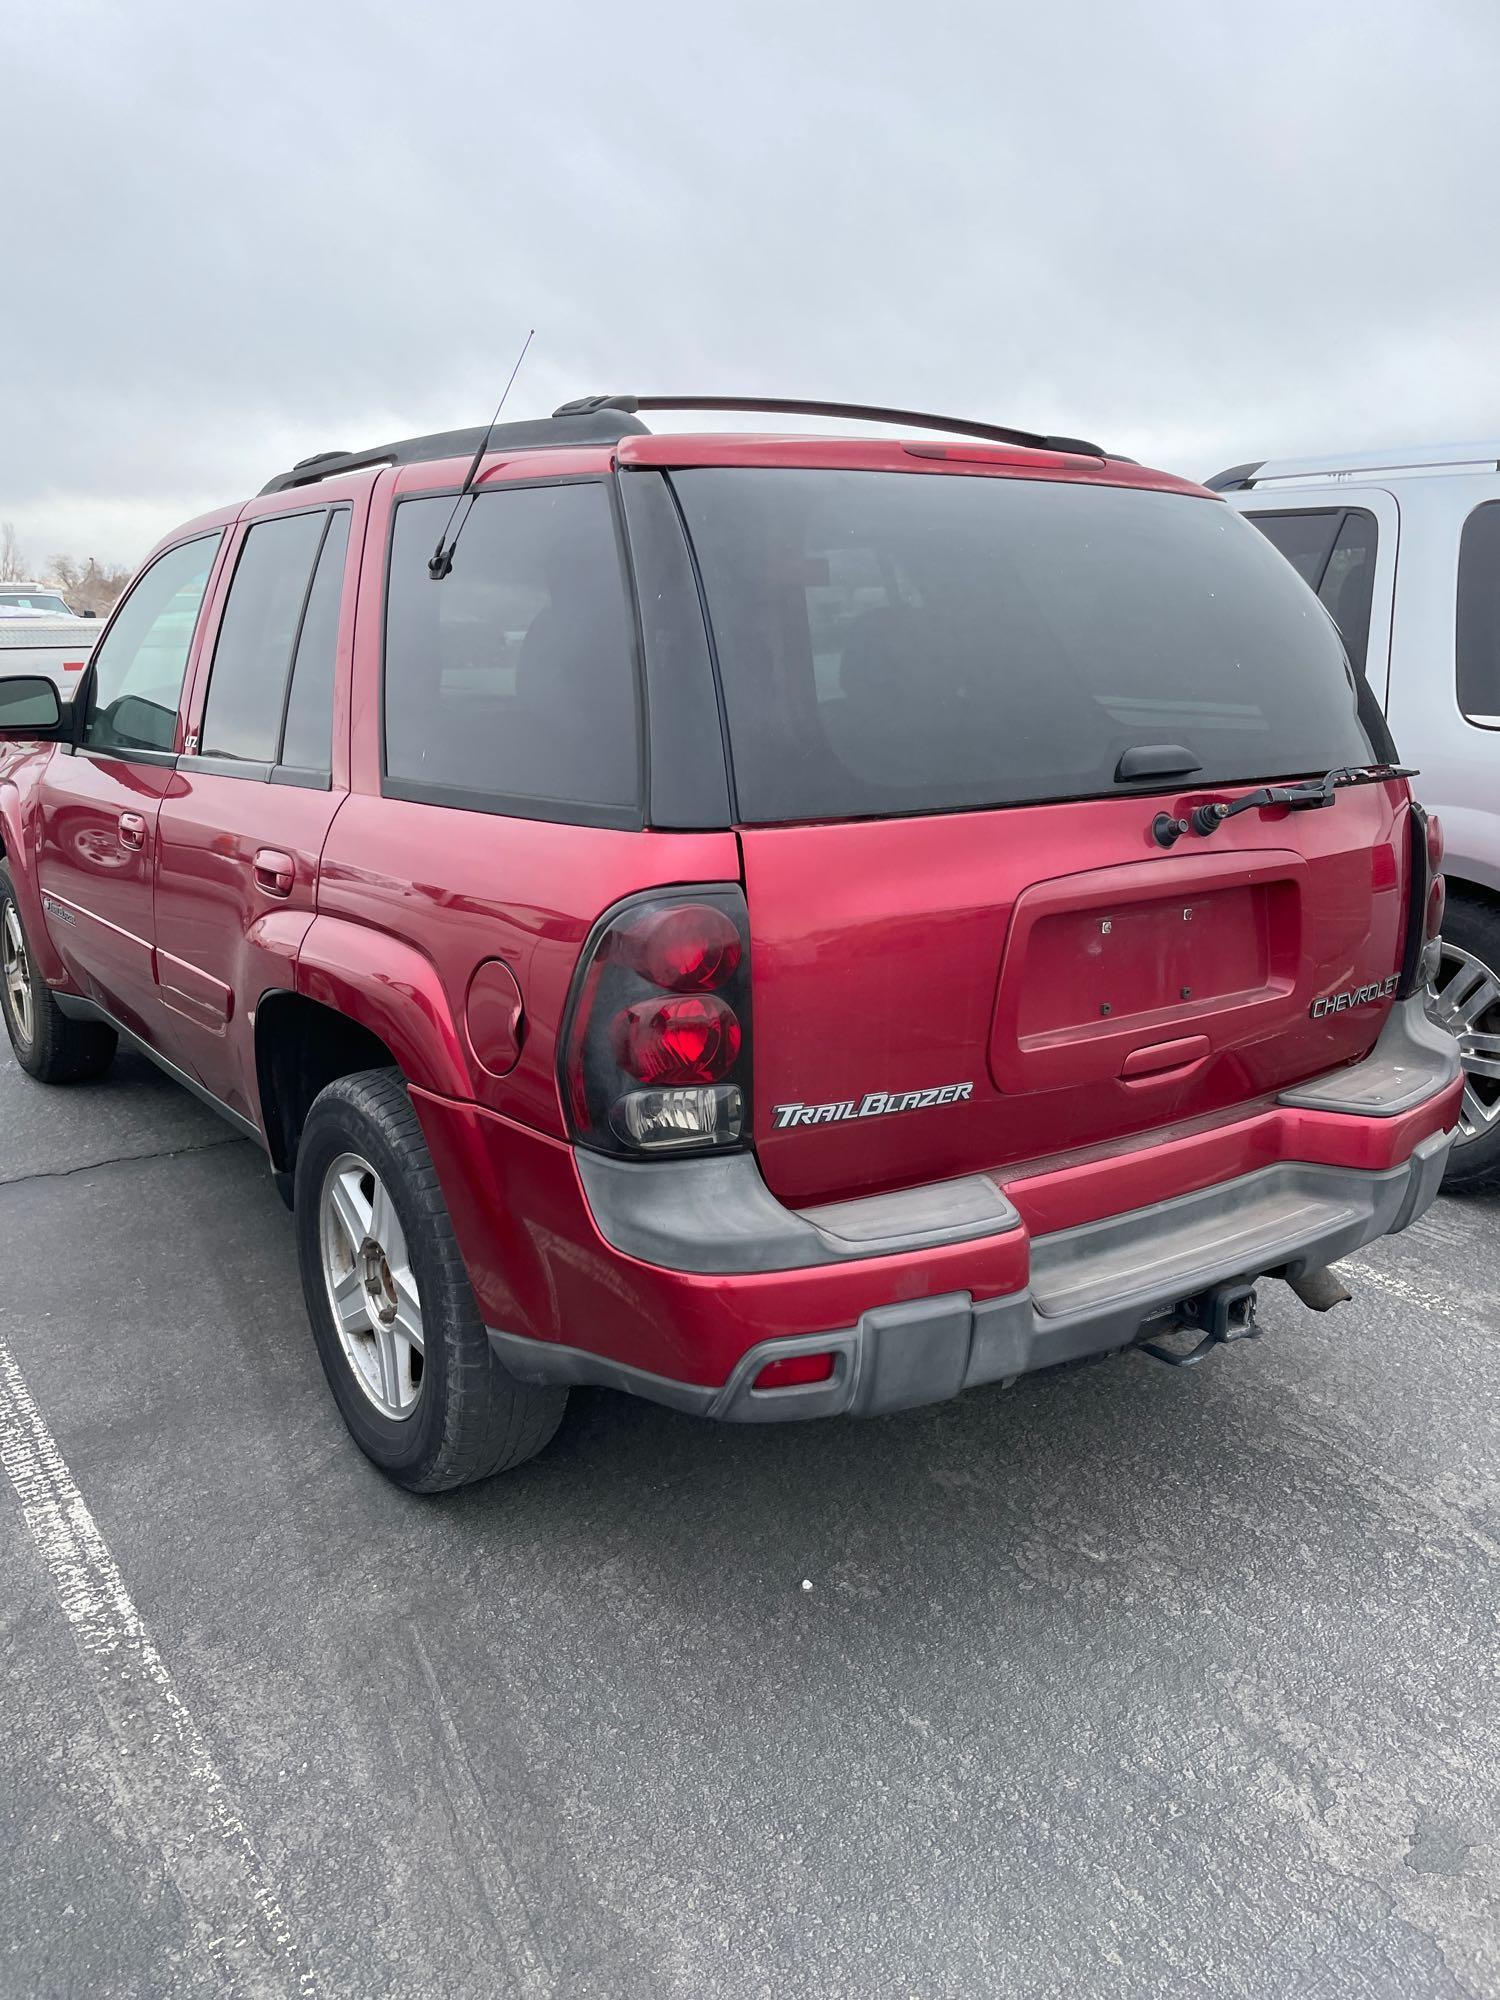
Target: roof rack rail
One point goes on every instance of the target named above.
(606, 426)
(1236, 479)
(588, 406)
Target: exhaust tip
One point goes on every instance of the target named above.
(1320, 1290)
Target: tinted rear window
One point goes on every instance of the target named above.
(894, 642)
(253, 653)
(510, 685)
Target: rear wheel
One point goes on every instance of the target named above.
(45, 1042)
(1465, 998)
(398, 1330)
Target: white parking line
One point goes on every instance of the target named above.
(167, 1775)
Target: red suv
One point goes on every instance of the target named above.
(783, 925)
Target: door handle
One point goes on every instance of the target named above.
(132, 831)
(275, 872)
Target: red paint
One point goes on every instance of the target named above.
(944, 959)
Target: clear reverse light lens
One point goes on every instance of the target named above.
(657, 1120)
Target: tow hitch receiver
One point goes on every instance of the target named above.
(1225, 1313)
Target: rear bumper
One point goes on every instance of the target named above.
(684, 1280)
(1091, 1289)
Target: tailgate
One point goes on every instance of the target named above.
(973, 991)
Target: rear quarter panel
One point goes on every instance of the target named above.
(414, 898)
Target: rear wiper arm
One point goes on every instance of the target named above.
(1300, 797)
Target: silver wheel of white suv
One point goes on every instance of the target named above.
(372, 1291)
(1464, 998)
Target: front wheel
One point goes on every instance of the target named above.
(1464, 998)
(45, 1042)
(398, 1330)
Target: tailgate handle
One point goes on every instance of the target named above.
(1161, 1059)
(275, 872)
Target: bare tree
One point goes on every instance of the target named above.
(12, 562)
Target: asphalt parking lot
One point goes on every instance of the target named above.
(1124, 1682)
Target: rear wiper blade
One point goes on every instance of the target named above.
(1309, 792)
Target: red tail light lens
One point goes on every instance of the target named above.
(693, 948)
(1434, 842)
(694, 1038)
(656, 1052)
(1426, 899)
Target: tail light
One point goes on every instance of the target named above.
(1427, 898)
(656, 1052)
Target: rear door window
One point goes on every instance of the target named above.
(138, 669)
(1478, 654)
(307, 739)
(894, 642)
(510, 685)
(1333, 550)
(247, 685)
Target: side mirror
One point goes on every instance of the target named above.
(88, 614)
(29, 707)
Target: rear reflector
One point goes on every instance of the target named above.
(795, 1372)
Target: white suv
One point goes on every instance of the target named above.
(1403, 548)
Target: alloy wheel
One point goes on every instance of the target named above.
(15, 969)
(1464, 998)
(372, 1291)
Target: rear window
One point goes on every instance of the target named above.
(510, 685)
(894, 642)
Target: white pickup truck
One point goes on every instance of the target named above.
(57, 647)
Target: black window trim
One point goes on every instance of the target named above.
(256, 770)
(299, 775)
(1491, 726)
(122, 754)
(510, 805)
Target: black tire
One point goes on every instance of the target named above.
(471, 1417)
(1473, 926)
(56, 1050)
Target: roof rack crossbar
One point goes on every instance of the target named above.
(863, 412)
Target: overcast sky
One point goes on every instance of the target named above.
(1197, 231)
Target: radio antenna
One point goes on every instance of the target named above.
(442, 558)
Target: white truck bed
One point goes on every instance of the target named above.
(56, 647)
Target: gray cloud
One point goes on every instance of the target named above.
(1199, 233)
